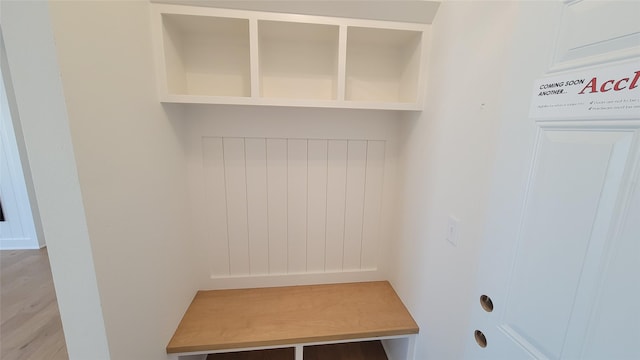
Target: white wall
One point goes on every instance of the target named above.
(448, 157)
(131, 166)
(42, 131)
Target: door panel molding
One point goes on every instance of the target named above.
(522, 342)
(595, 43)
(610, 147)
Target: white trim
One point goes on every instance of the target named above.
(246, 100)
(254, 58)
(298, 346)
(274, 280)
(19, 244)
(299, 352)
(342, 63)
(365, 271)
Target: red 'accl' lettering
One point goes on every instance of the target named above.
(617, 87)
(592, 86)
(604, 85)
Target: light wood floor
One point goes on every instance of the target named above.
(30, 327)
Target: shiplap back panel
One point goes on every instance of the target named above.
(216, 210)
(317, 205)
(336, 204)
(276, 154)
(257, 214)
(233, 155)
(292, 206)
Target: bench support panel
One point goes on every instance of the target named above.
(299, 352)
(401, 347)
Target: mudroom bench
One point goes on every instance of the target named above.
(295, 322)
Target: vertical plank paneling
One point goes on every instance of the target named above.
(372, 204)
(216, 206)
(336, 186)
(297, 205)
(317, 205)
(256, 165)
(354, 204)
(234, 163)
(277, 204)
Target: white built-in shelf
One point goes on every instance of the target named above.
(221, 56)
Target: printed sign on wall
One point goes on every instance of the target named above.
(611, 92)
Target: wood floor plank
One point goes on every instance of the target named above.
(30, 326)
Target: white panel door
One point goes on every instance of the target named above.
(558, 273)
(577, 194)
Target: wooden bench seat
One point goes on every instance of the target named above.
(239, 319)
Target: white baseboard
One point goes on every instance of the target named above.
(273, 280)
(19, 244)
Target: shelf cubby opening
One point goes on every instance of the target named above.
(298, 60)
(206, 55)
(363, 350)
(383, 65)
